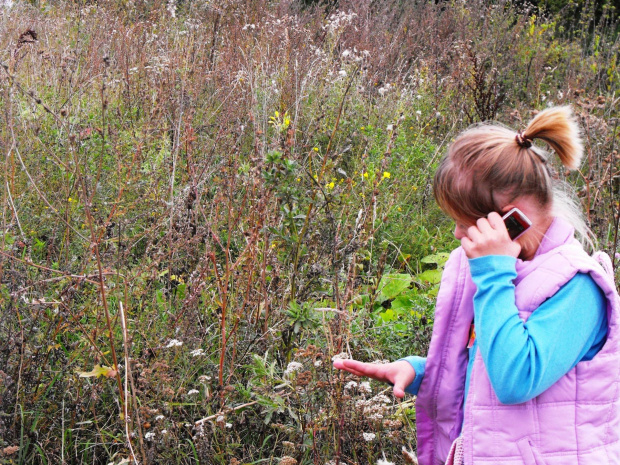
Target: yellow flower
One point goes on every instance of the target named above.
(386, 174)
(315, 177)
(70, 199)
(362, 128)
(316, 149)
(298, 179)
(366, 174)
(277, 113)
(331, 185)
(399, 209)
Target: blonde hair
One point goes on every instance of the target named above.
(487, 159)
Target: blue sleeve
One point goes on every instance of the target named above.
(523, 359)
(419, 365)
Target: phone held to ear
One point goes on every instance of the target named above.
(516, 223)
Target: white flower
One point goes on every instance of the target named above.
(390, 127)
(193, 392)
(164, 431)
(293, 367)
(365, 387)
(204, 378)
(350, 385)
(418, 96)
(383, 461)
(159, 417)
(342, 73)
(382, 91)
(318, 363)
(174, 343)
(418, 112)
(228, 425)
(381, 398)
(172, 8)
(219, 419)
(341, 356)
(346, 53)
(197, 352)
(149, 436)
(369, 436)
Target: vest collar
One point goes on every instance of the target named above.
(560, 232)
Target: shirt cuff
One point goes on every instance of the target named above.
(419, 365)
(491, 263)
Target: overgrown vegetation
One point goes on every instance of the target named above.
(204, 203)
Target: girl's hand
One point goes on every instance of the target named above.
(400, 374)
(489, 237)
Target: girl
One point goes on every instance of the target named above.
(524, 361)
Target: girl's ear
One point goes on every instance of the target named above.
(507, 208)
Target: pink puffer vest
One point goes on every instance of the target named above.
(576, 421)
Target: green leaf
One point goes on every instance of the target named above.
(392, 285)
(402, 303)
(388, 315)
(98, 371)
(181, 289)
(430, 276)
(434, 290)
(438, 259)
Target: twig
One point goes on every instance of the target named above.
(126, 413)
(211, 417)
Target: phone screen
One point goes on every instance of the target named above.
(516, 223)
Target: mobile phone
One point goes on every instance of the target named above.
(516, 223)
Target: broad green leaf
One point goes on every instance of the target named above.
(439, 259)
(430, 276)
(403, 303)
(388, 315)
(392, 285)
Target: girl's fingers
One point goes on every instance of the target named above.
(361, 369)
(496, 221)
(473, 233)
(484, 225)
(467, 245)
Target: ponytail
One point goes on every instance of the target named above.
(558, 128)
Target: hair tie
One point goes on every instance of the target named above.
(522, 140)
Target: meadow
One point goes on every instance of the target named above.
(204, 203)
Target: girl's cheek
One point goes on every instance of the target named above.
(460, 231)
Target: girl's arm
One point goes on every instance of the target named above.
(524, 359)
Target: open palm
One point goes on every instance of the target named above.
(400, 374)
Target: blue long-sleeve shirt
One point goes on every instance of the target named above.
(525, 359)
